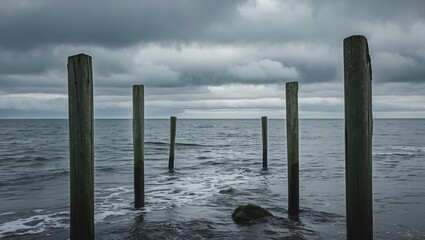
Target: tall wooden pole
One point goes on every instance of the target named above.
(173, 121)
(138, 145)
(358, 137)
(292, 148)
(264, 137)
(81, 138)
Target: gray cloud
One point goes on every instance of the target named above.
(217, 55)
(26, 24)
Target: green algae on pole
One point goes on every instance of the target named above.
(81, 138)
(358, 137)
(138, 145)
(292, 148)
(264, 137)
(173, 121)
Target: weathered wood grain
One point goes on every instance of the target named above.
(292, 148)
(358, 137)
(81, 139)
(138, 145)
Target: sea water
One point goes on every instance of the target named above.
(217, 167)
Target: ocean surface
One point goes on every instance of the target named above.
(217, 168)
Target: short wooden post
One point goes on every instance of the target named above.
(81, 138)
(358, 137)
(138, 145)
(292, 148)
(173, 121)
(264, 137)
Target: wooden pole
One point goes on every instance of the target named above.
(81, 138)
(173, 121)
(358, 137)
(292, 147)
(138, 145)
(264, 136)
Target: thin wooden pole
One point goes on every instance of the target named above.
(173, 121)
(264, 137)
(138, 145)
(358, 137)
(292, 148)
(81, 138)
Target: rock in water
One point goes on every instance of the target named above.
(227, 190)
(248, 213)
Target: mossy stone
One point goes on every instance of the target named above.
(248, 213)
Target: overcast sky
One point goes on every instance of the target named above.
(209, 58)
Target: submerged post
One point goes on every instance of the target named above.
(292, 148)
(80, 103)
(358, 137)
(173, 121)
(264, 136)
(138, 145)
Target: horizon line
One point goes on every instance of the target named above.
(160, 118)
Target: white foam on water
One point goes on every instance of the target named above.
(114, 203)
(409, 148)
(198, 188)
(34, 224)
(165, 192)
(399, 150)
(6, 213)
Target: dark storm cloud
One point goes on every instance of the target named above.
(209, 54)
(31, 30)
(28, 61)
(26, 24)
(400, 66)
(388, 10)
(325, 21)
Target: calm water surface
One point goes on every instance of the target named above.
(211, 156)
